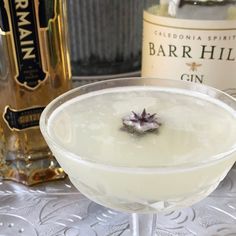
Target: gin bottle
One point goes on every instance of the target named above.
(192, 41)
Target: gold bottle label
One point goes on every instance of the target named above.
(23, 20)
(22, 119)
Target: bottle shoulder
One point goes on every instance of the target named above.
(196, 9)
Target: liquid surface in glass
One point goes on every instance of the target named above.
(193, 125)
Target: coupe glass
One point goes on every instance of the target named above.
(108, 184)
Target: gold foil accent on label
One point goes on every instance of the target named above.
(21, 119)
(39, 46)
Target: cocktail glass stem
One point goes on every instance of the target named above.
(143, 224)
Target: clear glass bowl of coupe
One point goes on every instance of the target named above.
(143, 145)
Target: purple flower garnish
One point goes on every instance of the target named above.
(142, 122)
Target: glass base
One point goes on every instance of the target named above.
(143, 224)
(129, 224)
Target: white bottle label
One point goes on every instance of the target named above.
(191, 50)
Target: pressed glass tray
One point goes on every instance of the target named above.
(58, 209)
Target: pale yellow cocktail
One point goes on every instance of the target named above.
(174, 166)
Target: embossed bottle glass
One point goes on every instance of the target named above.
(191, 40)
(34, 69)
(136, 173)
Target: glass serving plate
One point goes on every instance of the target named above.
(58, 209)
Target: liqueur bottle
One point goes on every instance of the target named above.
(34, 69)
(191, 40)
